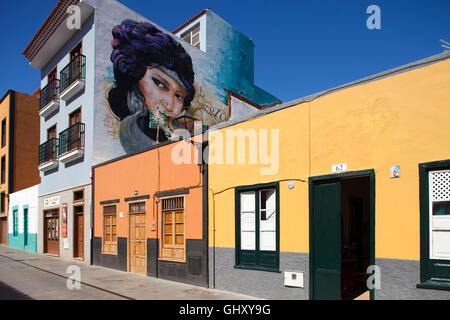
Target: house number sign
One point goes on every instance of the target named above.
(339, 168)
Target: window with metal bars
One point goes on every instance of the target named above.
(137, 207)
(110, 229)
(173, 242)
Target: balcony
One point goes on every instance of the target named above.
(48, 155)
(73, 77)
(49, 99)
(71, 143)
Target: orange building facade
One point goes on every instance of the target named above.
(149, 213)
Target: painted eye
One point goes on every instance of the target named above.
(159, 84)
(179, 97)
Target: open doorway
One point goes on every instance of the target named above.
(342, 215)
(355, 228)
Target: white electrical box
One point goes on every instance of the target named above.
(66, 243)
(293, 279)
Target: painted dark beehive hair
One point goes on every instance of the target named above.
(136, 46)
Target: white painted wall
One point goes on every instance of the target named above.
(68, 177)
(241, 110)
(21, 198)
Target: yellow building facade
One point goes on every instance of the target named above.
(381, 130)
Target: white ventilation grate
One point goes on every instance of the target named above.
(440, 185)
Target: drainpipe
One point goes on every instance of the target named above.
(91, 240)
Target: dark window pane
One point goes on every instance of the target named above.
(441, 208)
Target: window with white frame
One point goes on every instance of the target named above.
(192, 36)
(257, 227)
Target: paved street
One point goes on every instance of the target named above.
(26, 276)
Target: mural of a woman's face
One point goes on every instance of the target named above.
(159, 89)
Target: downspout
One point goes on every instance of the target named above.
(205, 171)
(91, 240)
(158, 234)
(214, 241)
(156, 220)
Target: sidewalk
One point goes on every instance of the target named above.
(122, 284)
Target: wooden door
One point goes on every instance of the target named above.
(51, 232)
(79, 236)
(4, 231)
(327, 241)
(51, 133)
(75, 133)
(76, 51)
(51, 151)
(75, 65)
(52, 75)
(75, 117)
(52, 86)
(138, 244)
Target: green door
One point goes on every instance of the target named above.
(25, 226)
(327, 241)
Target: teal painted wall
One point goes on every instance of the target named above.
(233, 56)
(18, 242)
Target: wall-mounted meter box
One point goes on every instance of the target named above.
(293, 279)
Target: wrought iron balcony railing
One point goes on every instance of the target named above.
(48, 151)
(75, 70)
(71, 139)
(49, 93)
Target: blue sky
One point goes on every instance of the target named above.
(302, 46)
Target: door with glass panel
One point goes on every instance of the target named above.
(25, 227)
(257, 225)
(74, 138)
(75, 62)
(439, 210)
(51, 232)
